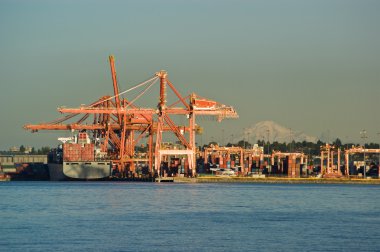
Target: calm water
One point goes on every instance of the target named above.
(69, 216)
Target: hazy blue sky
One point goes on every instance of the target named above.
(308, 65)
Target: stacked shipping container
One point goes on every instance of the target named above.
(78, 152)
(293, 168)
(87, 152)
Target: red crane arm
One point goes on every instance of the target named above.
(115, 86)
(139, 127)
(120, 111)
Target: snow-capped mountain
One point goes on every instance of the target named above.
(264, 129)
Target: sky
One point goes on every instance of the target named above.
(310, 65)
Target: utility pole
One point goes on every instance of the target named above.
(248, 143)
(244, 136)
(363, 135)
(290, 140)
(223, 144)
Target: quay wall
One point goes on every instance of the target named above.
(12, 159)
(215, 179)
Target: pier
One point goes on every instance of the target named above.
(271, 180)
(164, 179)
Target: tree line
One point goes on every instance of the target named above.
(22, 150)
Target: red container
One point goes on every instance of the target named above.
(78, 152)
(71, 152)
(82, 135)
(87, 152)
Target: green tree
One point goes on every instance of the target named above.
(45, 150)
(22, 149)
(212, 143)
(337, 142)
(260, 142)
(243, 144)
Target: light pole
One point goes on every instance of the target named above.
(363, 135)
(290, 140)
(248, 141)
(222, 137)
(244, 137)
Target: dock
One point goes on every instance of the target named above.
(164, 179)
(272, 180)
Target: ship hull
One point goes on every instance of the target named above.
(56, 172)
(79, 170)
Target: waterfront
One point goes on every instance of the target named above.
(118, 216)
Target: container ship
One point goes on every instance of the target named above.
(77, 158)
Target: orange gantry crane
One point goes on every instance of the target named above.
(244, 157)
(355, 150)
(331, 170)
(118, 124)
(224, 155)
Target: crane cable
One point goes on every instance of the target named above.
(128, 90)
(138, 96)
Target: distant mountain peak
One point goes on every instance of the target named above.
(275, 132)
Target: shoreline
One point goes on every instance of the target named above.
(227, 179)
(214, 179)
